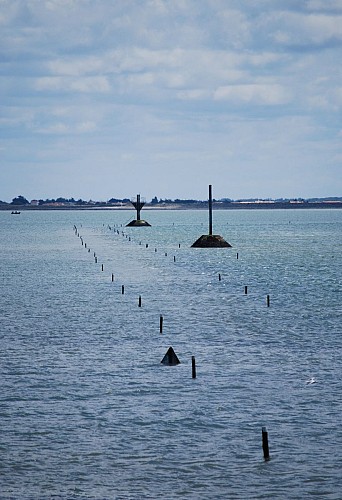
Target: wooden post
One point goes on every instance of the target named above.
(174, 258)
(112, 277)
(95, 260)
(265, 444)
(193, 362)
(102, 267)
(237, 255)
(246, 290)
(139, 300)
(122, 289)
(219, 277)
(161, 324)
(268, 301)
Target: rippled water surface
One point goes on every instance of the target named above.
(88, 411)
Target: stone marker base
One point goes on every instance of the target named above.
(211, 241)
(138, 223)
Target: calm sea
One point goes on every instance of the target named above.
(87, 409)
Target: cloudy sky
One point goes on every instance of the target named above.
(110, 98)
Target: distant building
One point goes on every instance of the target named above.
(34, 202)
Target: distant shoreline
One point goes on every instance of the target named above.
(178, 206)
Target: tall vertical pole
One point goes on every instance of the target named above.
(210, 211)
(138, 207)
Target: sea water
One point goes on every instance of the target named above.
(87, 409)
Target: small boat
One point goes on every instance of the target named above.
(15, 212)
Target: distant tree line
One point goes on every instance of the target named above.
(22, 201)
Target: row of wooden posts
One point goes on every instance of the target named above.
(170, 357)
(174, 259)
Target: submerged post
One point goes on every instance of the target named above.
(265, 444)
(193, 365)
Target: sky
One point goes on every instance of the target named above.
(111, 98)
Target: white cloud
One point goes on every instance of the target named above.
(77, 66)
(193, 94)
(93, 84)
(56, 128)
(182, 83)
(86, 127)
(265, 94)
(325, 5)
(292, 29)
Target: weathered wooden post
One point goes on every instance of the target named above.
(193, 363)
(265, 444)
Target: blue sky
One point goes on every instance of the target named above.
(110, 98)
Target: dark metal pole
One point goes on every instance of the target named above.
(138, 207)
(210, 211)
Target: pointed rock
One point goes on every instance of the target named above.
(170, 358)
